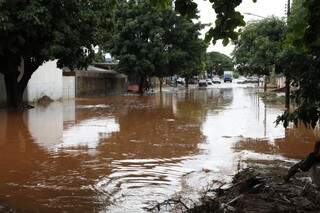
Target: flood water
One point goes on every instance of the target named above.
(123, 154)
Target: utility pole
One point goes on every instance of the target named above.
(287, 84)
(289, 8)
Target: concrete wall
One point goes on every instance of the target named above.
(95, 84)
(3, 95)
(69, 87)
(47, 80)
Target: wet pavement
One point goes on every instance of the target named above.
(125, 153)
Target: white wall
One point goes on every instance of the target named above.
(47, 80)
(3, 95)
(69, 87)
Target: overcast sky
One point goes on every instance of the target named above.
(262, 8)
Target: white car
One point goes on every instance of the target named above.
(209, 82)
(181, 81)
(242, 80)
(203, 83)
(216, 80)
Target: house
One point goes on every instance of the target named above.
(57, 84)
(93, 82)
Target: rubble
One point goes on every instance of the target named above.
(252, 192)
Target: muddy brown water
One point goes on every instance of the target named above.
(122, 154)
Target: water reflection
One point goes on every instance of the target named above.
(121, 153)
(88, 133)
(34, 179)
(297, 143)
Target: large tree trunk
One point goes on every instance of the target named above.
(187, 83)
(161, 83)
(14, 91)
(142, 85)
(265, 85)
(15, 87)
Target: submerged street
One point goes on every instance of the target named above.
(125, 153)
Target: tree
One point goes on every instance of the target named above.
(293, 46)
(138, 40)
(149, 41)
(186, 50)
(259, 45)
(217, 62)
(35, 31)
(301, 61)
(190, 50)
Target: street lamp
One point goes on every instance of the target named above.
(252, 14)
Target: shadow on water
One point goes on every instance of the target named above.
(120, 153)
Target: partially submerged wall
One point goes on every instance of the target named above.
(45, 81)
(99, 83)
(69, 84)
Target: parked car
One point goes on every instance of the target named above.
(242, 80)
(209, 82)
(216, 80)
(181, 81)
(227, 76)
(202, 83)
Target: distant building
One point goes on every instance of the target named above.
(93, 82)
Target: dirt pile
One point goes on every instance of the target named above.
(44, 100)
(252, 192)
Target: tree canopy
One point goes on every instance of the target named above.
(300, 60)
(35, 31)
(259, 46)
(217, 62)
(228, 19)
(149, 41)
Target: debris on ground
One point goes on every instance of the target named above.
(5, 208)
(44, 100)
(311, 162)
(252, 192)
